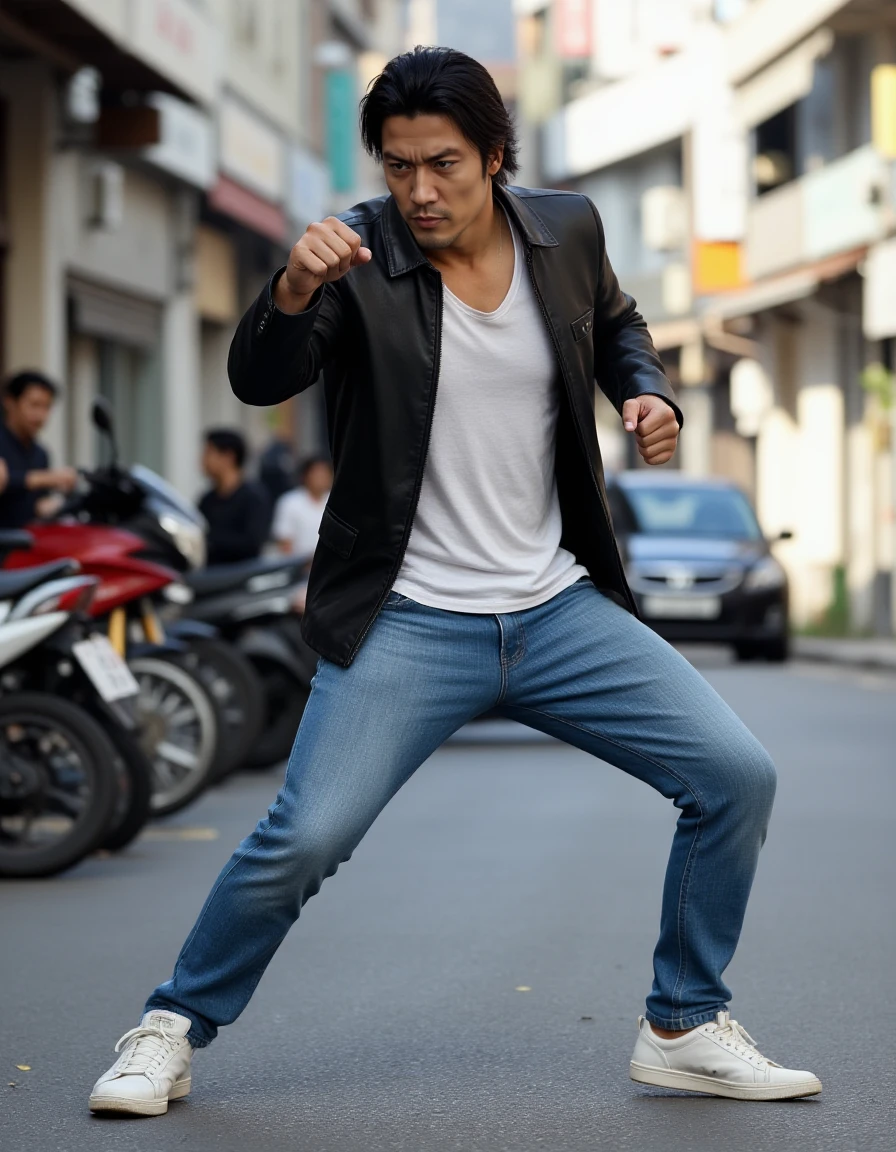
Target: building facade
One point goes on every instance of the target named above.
(742, 155)
(157, 161)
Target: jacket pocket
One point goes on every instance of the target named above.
(582, 327)
(336, 534)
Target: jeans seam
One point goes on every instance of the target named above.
(521, 647)
(686, 873)
(501, 661)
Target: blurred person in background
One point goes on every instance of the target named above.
(298, 513)
(237, 510)
(28, 399)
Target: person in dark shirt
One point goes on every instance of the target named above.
(27, 402)
(237, 511)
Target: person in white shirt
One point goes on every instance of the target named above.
(298, 513)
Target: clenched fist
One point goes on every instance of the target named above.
(655, 427)
(325, 253)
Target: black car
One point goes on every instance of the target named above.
(698, 563)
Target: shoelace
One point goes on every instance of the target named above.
(738, 1039)
(144, 1045)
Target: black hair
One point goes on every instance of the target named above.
(228, 440)
(309, 462)
(16, 386)
(442, 82)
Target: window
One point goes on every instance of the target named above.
(717, 512)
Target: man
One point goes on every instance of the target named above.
(237, 511)
(466, 562)
(28, 399)
(298, 513)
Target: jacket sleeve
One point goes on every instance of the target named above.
(274, 355)
(626, 363)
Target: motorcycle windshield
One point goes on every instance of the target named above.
(163, 492)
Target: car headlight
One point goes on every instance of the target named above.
(767, 573)
(189, 539)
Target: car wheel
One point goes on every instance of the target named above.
(777, 651)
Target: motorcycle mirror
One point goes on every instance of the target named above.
(102, 415)
(103, 419)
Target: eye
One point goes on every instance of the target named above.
(398, 166)
(444, 165)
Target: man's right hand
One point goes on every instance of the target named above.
(326, 252)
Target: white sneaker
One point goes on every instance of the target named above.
(720, 1058)
(153, 1068)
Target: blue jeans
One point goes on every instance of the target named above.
(578, 667)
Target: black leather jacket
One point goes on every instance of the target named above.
(376, 334)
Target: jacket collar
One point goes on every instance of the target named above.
(403, 253)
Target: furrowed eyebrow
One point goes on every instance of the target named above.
(449, 153)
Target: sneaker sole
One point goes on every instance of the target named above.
(140, 1107)
(693, 1082)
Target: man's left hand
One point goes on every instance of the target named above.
(655, 427)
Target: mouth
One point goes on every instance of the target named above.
(427, 221)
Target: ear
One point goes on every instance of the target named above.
(495, 160)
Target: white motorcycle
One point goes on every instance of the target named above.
(70, 773)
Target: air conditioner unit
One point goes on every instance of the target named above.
(664, 218)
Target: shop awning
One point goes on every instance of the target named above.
(779, 290)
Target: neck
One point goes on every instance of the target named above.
(225, 485)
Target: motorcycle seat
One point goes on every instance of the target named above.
(15, 540)
(226, 577)
(16, 582)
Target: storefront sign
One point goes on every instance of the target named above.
(341, 105)
(574, 24)
(186, 146)
(179, 42)
(307, 186)
(250, 151)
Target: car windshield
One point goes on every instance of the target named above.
(719, 512)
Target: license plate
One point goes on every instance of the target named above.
(683, 607)
(105, 668)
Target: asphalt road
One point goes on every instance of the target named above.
(392, 1019)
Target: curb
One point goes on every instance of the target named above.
(852, 654)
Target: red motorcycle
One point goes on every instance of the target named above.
(178, 716)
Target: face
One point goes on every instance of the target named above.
(215, 463)
(435, 175)
(27, 415)
(319, 479)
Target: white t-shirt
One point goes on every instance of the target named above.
(486, 537)
(297, 517)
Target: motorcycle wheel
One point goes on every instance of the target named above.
(236, 688)
(285, 700)
(135, 782)
(179, 730)
(58, 784)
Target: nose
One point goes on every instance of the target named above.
(423, 192)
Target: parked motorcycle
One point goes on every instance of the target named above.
(179, 718)
(251, 654)
(72, 777)
(251, 605)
